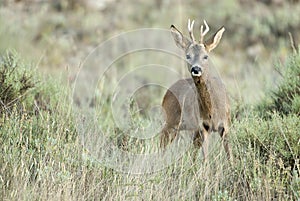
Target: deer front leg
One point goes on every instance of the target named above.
(200, 139)
(224, 135)
(205, 144)
(197, 141)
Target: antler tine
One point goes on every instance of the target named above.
(202, 34)
(206, 28)
(190, 28)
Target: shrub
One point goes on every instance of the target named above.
(16, 82)
(285, 99)
(273, 128)
(36, 128)
(276, 137)
(267, 137)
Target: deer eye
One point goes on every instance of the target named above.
(205, 57)
(188, 56)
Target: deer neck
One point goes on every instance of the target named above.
(204, 96)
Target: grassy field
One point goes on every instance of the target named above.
(80, 93)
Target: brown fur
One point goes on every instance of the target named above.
(200, 104)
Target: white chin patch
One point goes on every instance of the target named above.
(196, 75)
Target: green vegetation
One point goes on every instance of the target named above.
(15, 83)
(42, 156)
(285, 99)
(34, 127)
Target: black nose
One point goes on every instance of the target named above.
(196, 70)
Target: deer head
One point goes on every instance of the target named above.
(196, 52)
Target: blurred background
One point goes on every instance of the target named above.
(58, 35)
(66, 43)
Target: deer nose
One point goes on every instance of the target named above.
(196, 71)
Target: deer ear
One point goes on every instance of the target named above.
(211, 43)
(180, 40)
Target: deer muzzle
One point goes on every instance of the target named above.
(196, 71)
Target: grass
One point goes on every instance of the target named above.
(43, 157)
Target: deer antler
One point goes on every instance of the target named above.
(202, 34)
(190, 28)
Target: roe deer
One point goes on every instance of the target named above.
(198, 104)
